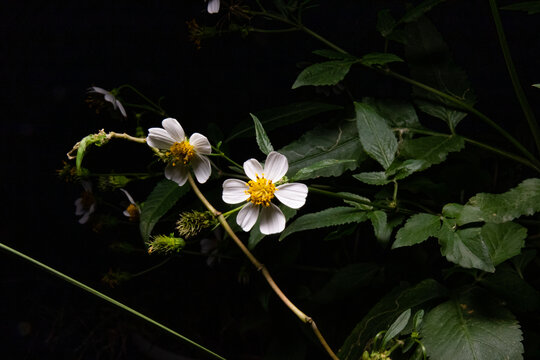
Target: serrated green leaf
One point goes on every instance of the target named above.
(433, 149)
(281, 116)
(379, 59)
(419, 10)
(504, 241)
(255, 235)
(471, 329)
(321, 167)
(161, 199)
(507, 284)
(397, 326)
(417, 229)
(328, 217)
(260, 135)
(384, 312)
(373, 178)
(397, 113)
(361, 203)
(376, 136)
(346, 281)
(325, 73)
(402, 169)
(430, 63)
(464, 247)
(531, 7)
(524, 199)
(323, 143)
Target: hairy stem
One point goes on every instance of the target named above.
(260, 267)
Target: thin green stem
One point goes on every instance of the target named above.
(144, 107)
(156, 106)
(151, 268)
(222, 154)
(104, 297)
(230, 212)
(518, 89)
(272, 31)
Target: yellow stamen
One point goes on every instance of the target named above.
(133, 212)
(261, 191)
(181, 151)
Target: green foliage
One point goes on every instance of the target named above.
(159, 202)
(471, 328)
(328, 217)
(531, 7)
(260, 135)
(417, 229)
(325, 73)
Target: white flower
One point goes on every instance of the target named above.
(110, 98)
(181, 151)
(213, 7)
(86, 204)
(133, 210)
(259, 192)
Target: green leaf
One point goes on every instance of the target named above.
(325, 73)
(328, 217)
(417, 229)
(464, 247)
(432, 149)
(385, 312)
(324, 143)
(397, 326)
(430, 63)
(504, 241)
(255, 235)
(360, 204)
(471, 329)
(346, 281)
(397, 113)
(531, 7)
(524, 199)
(373, 178)
(281, 116)
(161, 199)
(385, 22)
(416, 12)
(376, 136)
(536, 85)
(507, 285)
(97, 139)
(379, 59)
(381, 226)
(321, 167)
(262, 139)
(400, 170)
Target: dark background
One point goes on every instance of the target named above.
(53, 51)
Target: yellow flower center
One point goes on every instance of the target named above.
(133, 212)
(181, 152)
(261, 191)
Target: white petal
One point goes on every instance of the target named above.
(178, 173)
(201, 168)
(128, 196)
(200, 143)
(110, 98)
(159, 138)
(253, 168)
(121, 108)
(234, 191)
(174, 128)
(213, 7)
(126, 213)
(98, 90)
(79, 210)
(293, 195)
(247, 216)
(272, 220)
(84, 219)
(276, 166)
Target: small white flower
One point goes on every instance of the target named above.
(181, 151)
(110, 98)
(213, 6)
(133, 210)
(86, 204)
(259, 192)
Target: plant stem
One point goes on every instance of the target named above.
(104, 297)
(262, 268)
(125, 136)
(156, 106)
(518, 89)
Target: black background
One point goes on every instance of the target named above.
(53, 51)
